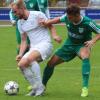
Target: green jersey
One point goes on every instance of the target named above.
(31, 5)
(43, 6)
(81, 32)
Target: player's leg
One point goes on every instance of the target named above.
(45, 53)
(61, 55)
(24, 63)
(49, 69)
(84, 54)
(37, 75)
(38, 53)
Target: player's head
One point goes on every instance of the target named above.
(73, 13)
(18, 9)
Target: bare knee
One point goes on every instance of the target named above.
(51, 63)
(23, 63)
(84, 53)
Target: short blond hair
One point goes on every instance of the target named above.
(18, 4)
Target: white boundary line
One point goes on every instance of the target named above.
(5, 25)
(57, 68)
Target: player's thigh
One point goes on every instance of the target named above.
(55, 60)
(63, 54)
(34, 55)
(29, 57)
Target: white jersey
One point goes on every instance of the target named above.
(31, 27)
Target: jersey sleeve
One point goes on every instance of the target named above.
(19, 27)
(42, 16)
(12, 17)
(63, 18)
(94, 27)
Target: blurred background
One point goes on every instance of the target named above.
(90, 8)
(58, 3)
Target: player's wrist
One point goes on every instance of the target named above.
(20, 54)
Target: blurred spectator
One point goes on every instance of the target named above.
(2, 3)
(73, 1)
(94, 3)
(52, 2)
(5, 3)
(61, 3)
(84, 3)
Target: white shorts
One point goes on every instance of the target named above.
(44, 48)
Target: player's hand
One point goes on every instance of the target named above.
(42, 22)
(57, 39)
(18, 57)
(13, 22)
(89, 43)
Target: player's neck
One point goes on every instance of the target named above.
(80, 18)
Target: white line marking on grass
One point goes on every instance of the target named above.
(5, 25)
(57, 68)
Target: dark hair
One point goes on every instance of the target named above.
(73, 9)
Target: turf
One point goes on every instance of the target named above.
(65, 84)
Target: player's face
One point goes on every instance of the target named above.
(18, 12)
(74, 19)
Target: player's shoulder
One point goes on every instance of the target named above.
(86, 19)
(20, 21)
(37, 14)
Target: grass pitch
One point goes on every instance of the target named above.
(65, 84)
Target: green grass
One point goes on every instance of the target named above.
(65, 84)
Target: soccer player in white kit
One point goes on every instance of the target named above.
(40, 45)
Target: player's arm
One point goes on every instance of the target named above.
(96, 29)
(54, 34)
(50, 21)
(23, 46)
(12, 17)
(93, 41)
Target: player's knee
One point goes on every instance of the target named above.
(22, 64)
(85, 54)
(51, 64)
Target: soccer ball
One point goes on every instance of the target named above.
(11, 88)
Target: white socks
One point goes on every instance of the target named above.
(33, 74)
(35, 67)
(28, 75)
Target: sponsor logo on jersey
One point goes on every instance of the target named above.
(81, 30)
(31, 5)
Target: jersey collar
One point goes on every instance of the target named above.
(79, 21)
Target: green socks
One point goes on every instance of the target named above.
(48, 71)
(85, 72)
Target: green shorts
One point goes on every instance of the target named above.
(18, 37)
(68, 51)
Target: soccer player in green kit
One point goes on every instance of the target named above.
(78, 43)
(43, 6)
